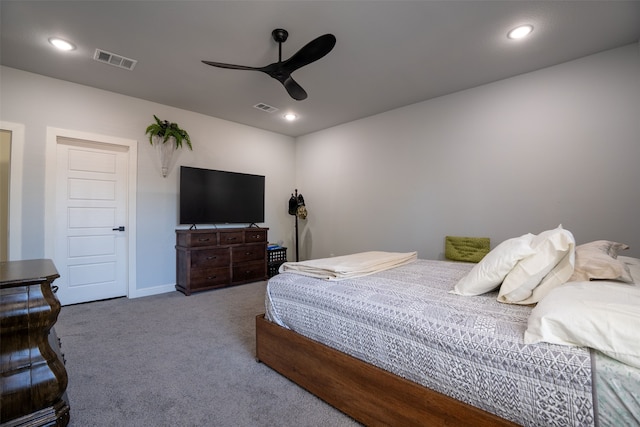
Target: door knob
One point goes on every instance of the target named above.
(121, 228)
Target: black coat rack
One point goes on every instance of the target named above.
(297, 208)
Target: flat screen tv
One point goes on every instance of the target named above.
(219, 197)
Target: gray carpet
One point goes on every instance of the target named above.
(172, 360)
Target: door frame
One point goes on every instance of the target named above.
(15, 188)
(51, 168)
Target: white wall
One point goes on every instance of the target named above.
(559, 145)
(39, 102)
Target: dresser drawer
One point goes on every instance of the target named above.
(248, 253)
(201, 239)
(230, 237)
(209, 277)
(255, 236)
(250, 271)
(206, 258)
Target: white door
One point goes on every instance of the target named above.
(90, 220)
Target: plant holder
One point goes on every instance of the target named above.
(167, 138)
(167, 153)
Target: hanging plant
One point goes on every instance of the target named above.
(165, 130)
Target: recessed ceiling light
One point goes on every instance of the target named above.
(290, 117)
(61, 44)
(520, 32)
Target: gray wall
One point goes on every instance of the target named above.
(556, 146)
(39, 102)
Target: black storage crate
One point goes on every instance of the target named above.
(275, 258)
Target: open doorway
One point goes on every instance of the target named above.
(11, 166)
(5, 172)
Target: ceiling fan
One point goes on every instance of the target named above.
(282, 70)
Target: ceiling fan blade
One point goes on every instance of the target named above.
(232, 66)
(310, 52)
(294, 89)
(282, 70)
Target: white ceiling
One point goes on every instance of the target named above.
(388, 53)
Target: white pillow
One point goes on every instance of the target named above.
(487, 275)
(634, 267)
(598, 260)
(551, 265)
(601, 315)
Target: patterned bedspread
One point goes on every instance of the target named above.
(471, 348)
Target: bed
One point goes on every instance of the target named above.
(403, 346)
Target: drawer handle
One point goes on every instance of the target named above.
(203, 239)
(248, 253)
(212, 257)
(256, 236)
(232, 238)
(211, 277)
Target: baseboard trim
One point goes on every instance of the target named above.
(153, 290)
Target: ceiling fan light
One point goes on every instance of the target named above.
(520, 32)
(61, 44)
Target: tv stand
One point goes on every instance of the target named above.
(219, 257)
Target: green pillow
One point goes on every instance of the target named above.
(469, 249)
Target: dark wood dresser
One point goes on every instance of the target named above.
(33, 378)
(219, 257)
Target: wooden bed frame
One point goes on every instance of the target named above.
(370, 395)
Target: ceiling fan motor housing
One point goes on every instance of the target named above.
(280, 35)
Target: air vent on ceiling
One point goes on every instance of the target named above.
(115, 60)
(266, 108)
